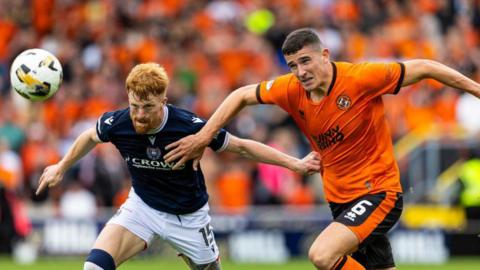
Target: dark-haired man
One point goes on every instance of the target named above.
(338, 106)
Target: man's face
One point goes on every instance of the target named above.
(146, 114)
(309, 65)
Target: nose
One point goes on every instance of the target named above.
(301, 71)
(140, 113)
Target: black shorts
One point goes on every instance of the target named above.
(370, 217)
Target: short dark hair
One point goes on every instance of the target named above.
(300, 38)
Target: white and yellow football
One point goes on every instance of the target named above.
(36, 74)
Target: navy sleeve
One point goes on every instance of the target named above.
(219, 142)
(104, 126)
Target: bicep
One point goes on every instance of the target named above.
(248, 94)
(415, 71)
(234, 144)
(91, 133)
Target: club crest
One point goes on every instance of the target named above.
(154, 153)
(344, 102)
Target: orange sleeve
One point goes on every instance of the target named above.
(276, 91)
(381, 78)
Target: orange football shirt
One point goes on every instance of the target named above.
(347, 127)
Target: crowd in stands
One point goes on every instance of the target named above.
(210, 47)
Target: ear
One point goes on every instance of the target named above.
(326, 55)
(164, 101)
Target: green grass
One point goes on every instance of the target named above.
(172, 264)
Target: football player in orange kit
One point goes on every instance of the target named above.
(339, 107)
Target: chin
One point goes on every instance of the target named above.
(311, 87)
(308, 89)
(141, 130)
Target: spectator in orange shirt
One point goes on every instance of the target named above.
(233, 188)
(339, 107)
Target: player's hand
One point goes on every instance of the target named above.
(187, 148)
(309, 165)
(51, 176)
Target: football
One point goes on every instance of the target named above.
(36, 74)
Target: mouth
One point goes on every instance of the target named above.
(306, 80)
(141, 122)
(141, 125)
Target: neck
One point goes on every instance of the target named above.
(328, 79)
(161, 121)
(322, 90)
(316, 95)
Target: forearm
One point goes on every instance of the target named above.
(262, 153)
(444, 74)
(82, 145)
(229, 108)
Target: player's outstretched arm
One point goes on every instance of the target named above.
(52, 175)
(263, 153)
(192, 147)
(419, 69)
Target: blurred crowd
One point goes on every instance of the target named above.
(210, 47)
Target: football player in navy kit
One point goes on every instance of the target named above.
(165, 203)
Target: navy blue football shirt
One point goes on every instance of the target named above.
(177, 192)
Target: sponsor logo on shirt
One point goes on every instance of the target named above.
(329, 138)
(143, 163)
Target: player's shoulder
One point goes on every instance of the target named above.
(117, 117)
(349, 69)
(355, 72)
(178, 115)
(285, 80)
(114, 120)
(362, 67)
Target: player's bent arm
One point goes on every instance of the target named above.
(192, 147)
(230, 107)
(84, 143)
(419, 69)
(52, 175)
(263, 153)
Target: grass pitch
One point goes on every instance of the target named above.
(172, 264)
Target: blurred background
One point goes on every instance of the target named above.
(260, 213)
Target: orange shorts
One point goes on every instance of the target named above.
(369, 215)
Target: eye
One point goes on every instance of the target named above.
(305, 61)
